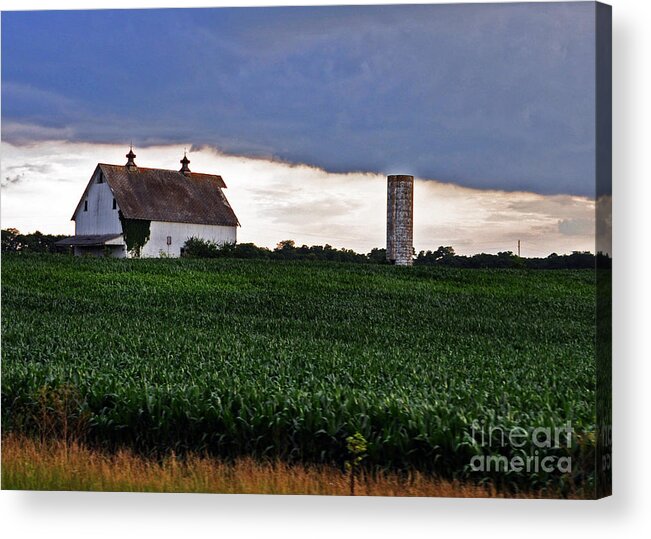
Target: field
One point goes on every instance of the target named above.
(282, 361)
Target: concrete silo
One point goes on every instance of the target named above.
(400, 219)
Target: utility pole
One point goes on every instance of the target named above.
(518, 248)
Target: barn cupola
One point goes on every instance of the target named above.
(185, 169)
(131, 164)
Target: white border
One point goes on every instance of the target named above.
(26, 514)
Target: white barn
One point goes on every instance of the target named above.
(130, 211)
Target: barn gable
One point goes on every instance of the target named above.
(166, 195)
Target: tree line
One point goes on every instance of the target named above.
(37, 242)
(443, 256)
(285, 250)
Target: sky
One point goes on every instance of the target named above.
(275, 200)
(316, 105)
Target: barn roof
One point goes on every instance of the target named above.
(168, 195)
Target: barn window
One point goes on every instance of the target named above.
(115, 204)
(85, 205)
(100, 179)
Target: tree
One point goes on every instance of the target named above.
(36, 242)
(285, 245)
(9, 242)
(444, 253)
(377, 256)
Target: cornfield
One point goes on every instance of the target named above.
(284, 360)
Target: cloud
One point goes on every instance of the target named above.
(15, 174)
(8, 180)
(489, 96)
(276, 200)
(27, 133)
(576, 227)
(316, 210)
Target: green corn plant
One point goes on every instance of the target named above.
(356, 445)
(285, 360)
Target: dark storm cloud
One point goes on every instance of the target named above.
(491, 96)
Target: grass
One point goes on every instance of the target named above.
(284, 360)
(54, 465)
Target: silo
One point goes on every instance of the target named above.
(400, 219)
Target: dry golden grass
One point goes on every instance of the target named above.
(53, 465)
